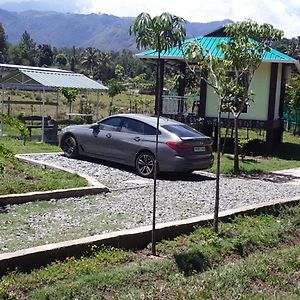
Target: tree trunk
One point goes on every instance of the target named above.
(217, 199)
(157, 110)
(236, 167)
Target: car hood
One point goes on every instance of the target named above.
(75, 127)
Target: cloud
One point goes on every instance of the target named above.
(282, 14)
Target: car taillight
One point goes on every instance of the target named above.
(209, 147)
(179, 146)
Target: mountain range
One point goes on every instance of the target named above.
(102, 31)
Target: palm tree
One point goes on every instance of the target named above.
(90, 59)
(160, 33)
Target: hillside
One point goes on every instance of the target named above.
(105, 32)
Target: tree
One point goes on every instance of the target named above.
(161, 33)
(231, 76)
(70, 94)
(244, 52)
(106, 68)
(214, 71)
(3, 45)
(61, 59)
(293, 97)
(28, 50)
(45, 55)
(90, 59)
(290, 47)
(115, 87)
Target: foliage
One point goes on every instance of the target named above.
(160, 33)
(85, 107)
(45, 55)
(20, 126)
(293, 97)
(70, 94)
(61, 59)
(290, 47)
(90, 60)
(231, 76)
(115, 87)
(21, 177)
(3, 45)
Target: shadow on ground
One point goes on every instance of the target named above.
(272, 177)
(192, 177)
(191, 262)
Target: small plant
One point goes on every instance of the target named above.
(242, 143)
(70, 95)
(20, 126)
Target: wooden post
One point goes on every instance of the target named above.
(2, 108)
(270, 136)
(97, 106)
(43, 115)
(159, 85)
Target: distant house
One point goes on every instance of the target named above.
(268, 85)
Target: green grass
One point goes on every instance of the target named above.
(19, 177)
(121, 103)
(286, 156)
(251, 258)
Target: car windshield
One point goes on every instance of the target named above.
(182, 130)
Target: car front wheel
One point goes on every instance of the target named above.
(69, 146)
(144, 164)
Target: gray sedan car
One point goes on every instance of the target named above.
(130, 139)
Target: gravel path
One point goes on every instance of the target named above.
(129, 204)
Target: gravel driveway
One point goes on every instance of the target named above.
(129, 204)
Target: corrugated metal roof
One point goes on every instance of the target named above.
(17, 67)
(51, 78)
(210, 44)
(62, 79)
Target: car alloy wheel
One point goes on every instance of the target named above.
(70, 146)
(145, 164)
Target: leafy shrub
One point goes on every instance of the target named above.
(20, 126)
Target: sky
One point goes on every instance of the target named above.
(282, 14)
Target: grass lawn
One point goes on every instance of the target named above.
(286, 156)
(251, 258)
(19, 177)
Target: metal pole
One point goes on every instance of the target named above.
(43, 115)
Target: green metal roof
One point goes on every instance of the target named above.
(210, 44)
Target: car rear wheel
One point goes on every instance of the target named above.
(70, 147)
(144, 164)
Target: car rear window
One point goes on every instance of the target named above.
(182, 130)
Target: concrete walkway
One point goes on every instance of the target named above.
(289, 172)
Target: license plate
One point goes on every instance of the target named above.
(199, 149)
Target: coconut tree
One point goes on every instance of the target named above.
(160, 33)
(89, 59)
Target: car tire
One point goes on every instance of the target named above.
(144, 164)
(70, 146)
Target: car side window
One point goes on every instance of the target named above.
(111, 124)
(149, 130)
(132, 126)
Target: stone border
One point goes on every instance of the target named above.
(95, 186)
(139, 238)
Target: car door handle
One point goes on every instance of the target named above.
(137, 139)
(108, 135)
